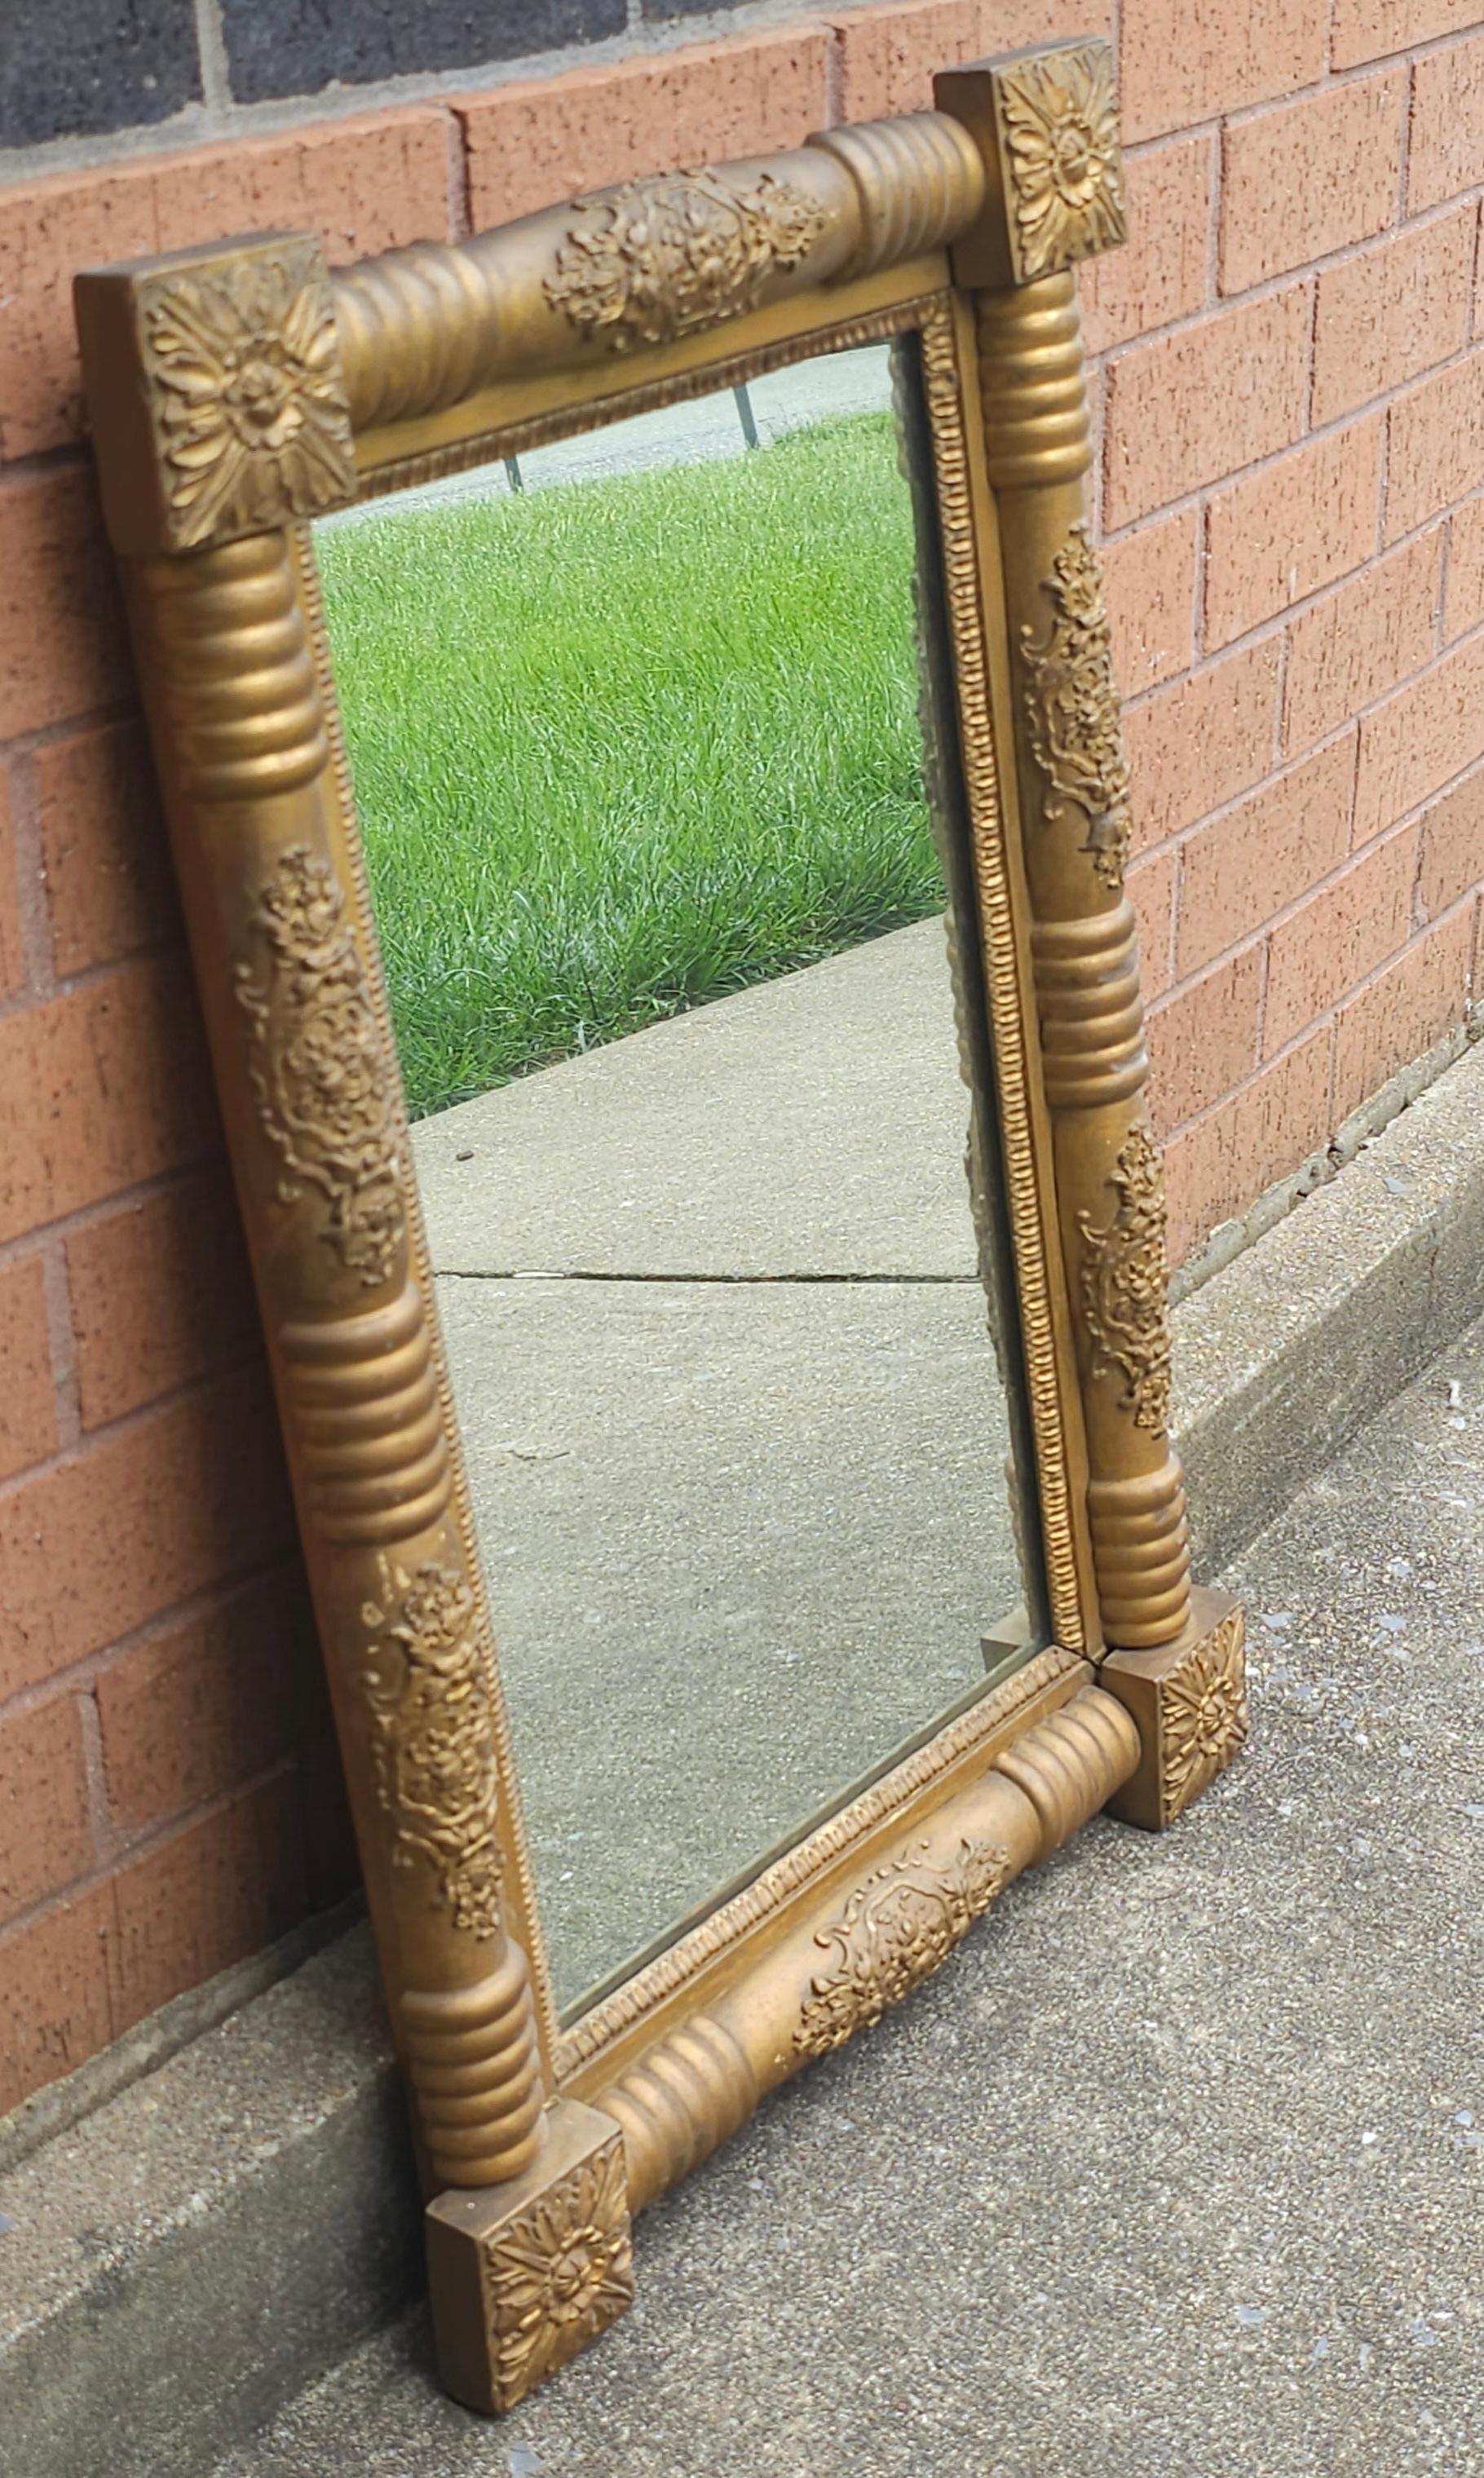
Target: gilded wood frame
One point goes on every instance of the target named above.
(236, 392)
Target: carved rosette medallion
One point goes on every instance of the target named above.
(657, 259)
(1071, 708)
(1123, 1284)
(1203, 1715)
(894, 1932)
(1063, 170)
(560, 2274)
(437, 1767)
(241, 369)
(317, 1066)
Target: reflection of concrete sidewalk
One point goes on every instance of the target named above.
(1175, 2168)
(812, 1126)
(717, 1340)
(822, 389)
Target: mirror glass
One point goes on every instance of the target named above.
(634, 728)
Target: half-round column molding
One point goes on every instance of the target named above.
(1033, 385)
(1031, 116)
(287, 972)
(858, 1949)
(418, 329)
(646, 261)
(919, 182)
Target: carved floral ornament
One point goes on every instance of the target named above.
(656, 260)
(325, 1098)
(434, 1750)
(1123, 1284)
(246, 396)
(1071, 708)
(560, 2274)
(1064, 168)
(1203, 1715)
(892, 1933)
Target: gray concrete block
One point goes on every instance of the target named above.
(71, 72)
(284, 47)
(1284, 1352)
(179, 2260)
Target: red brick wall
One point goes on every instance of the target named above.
(1292, 495)
(1294, 541)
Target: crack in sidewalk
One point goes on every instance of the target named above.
(579, 1274)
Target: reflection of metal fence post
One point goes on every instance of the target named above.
(749, 428)
(513, 472)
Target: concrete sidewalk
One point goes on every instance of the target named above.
(1175, 2168)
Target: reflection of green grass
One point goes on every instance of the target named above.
(622, 747)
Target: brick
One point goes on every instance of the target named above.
(888, 56)
(110, 885)
(1262, 855)
(1448, 125)
(1160, 274)
(1280, 534)
(160, 1294)
(182, 1498)
(1419, 739)
(59, 2011)
(1391, 312)
(1218, 1166)
(1306, 178)
(1188, 65)
(211, 1702)
(1451, 855)
(1150, 888)
(365, 185)
(62, 631)
(1367, 30)
(45, 1829)
(13, 951)
(1204, 1039)
(99, 1089)
(1404, 1010)
(331, 1864)
(1464, 603)
(28, 1399)
(1337, 938)
(1150, 579)
(220, 1889)
(1197, 744)
(1096, 377)
(531, 145)
(1350, 649)
(1434, 446)
(1193, 406)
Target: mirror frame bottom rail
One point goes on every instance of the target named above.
(236, 392)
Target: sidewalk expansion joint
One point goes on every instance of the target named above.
(580, 1274)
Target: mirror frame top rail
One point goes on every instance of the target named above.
(236, 391)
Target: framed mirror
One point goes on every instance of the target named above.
(587, 666)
